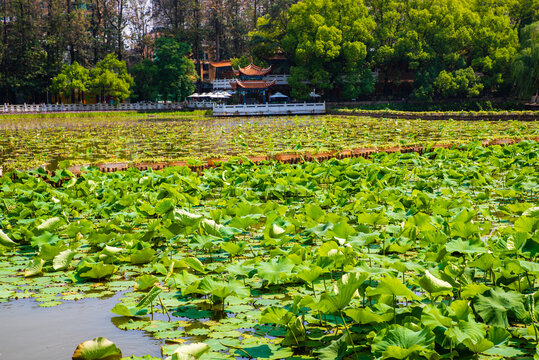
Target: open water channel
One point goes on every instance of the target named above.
(29, 332)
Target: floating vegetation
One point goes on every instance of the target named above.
(26, 143)
(396, 256)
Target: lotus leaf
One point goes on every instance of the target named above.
(399, 342)
(99, 348)
(498, 305)
(5, 240)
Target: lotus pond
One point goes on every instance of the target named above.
(400, 256)
(30, 141)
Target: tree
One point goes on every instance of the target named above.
(109, 78)
(525, 66)
(145, 74)
(73, 78)
(462, 82)
(175, 72)
(327, 41)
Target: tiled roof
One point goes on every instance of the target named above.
(252, 84)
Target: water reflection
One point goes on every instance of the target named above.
(28, 331)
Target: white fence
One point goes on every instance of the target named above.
(224, 84)
(201, 104)
(7, 108)
(270, 109)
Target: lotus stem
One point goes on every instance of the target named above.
(349, 334)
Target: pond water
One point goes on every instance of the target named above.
(28, 143)
(28, 331)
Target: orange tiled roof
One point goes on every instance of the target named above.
(219, 64)
(252, 70)
(251, 84)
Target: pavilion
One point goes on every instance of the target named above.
(251, 81)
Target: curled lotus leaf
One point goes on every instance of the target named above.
(5, 240)
(99, 348)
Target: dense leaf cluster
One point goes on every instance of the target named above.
(397, 256)
(426, 49)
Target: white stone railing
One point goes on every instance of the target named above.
(27, 108)
(269, 109)
(279, 79)
(201, 104)
(222, 84)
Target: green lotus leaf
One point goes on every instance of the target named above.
(186, 282)
(194, 264)
(5, 240)
(344, 290)
(223, 289)
(211, 227)
(163, 206)
(98, 270)
(464, 230)
(336, 350)
(35, 267)
(232, 248)
(189, 352)
(435, 286)
(98, 348)
(123, 310)
(142, 256)
(495, 307)
(392, 286)
(471, 290)
(49, 251)
(532, 212)
(50, 224)
(498, 335)
(275, 271)
(486, 262)
(372, 219)
(465, 247)
(295, 333)
(314, 211)
(365, 316)
(45, 238)
(478, 346)
(399, 342)
(145, 282)
(527, 224)
(276, 315)
(63, 259)
(310, 274)
(149, 297)
(187, 219)
(342, 230)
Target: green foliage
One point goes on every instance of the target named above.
(145, 80)
(459, 83)
(175, 72)
(99, 348)
(525, 66)
(73, 77)
(399, 255)
(109, 77)
(328, 48)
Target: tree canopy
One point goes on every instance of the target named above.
(73, 77)
(327, 41)
(176, 73)
(109, 78)
(525, 67)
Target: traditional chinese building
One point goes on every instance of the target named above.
(251, 84)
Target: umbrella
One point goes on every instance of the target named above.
(314, 95)
(278, 95)
(194, 95)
